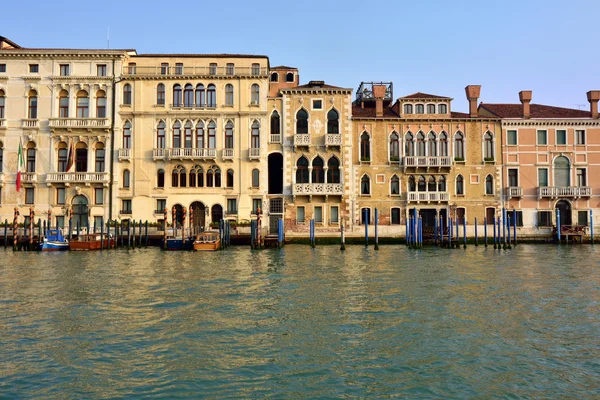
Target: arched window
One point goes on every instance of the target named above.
(431, 145)
(289, 77)
(318, 174)
(365, 147)
(127, 135)
(81, 157)
(177, 135)
(188, 95)
(30, 167)
(431, 184)
(126, 179)
(160, 178)
(229, 94)
(333, 170)
(200, 135)
(421, 186)
(100, 157)
(412, 186)
(212, 135)
(255, 135)
(460, 185)
(255, 178)
(177, 100)
(3, 104)
(194, 175)
(488, 146)
(365, 185)
(420, 144)
(409, 144)
(301, 121)
(489, 185)
(211, 96)
(302, 170)
(199, 176)
(443, 144)
(562, 171)
(333, 125)
(178, 178)
(394, 147)
(63, 157)
(229, 178)
(229, 135)
(100, 104)
(442, 109)
(160, 94)
(83, 104)
(274, 77)
(63, 104)
(217, 177)
(188, 135)
(419, 109)
(161, 141)
(210, 178)
(408, 109)
(430, 108)
(127, 94)
(200, 95)
(441, 184)
(395, 185)
(255, 94)
(182, 178)
(275, 123)
(459, 147)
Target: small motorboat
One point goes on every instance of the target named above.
(55, 241)
(207, 241)
(179, 243)
(91, 242)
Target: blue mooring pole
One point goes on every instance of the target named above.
(485, 231)
(441, 231)
(449, 233)
(494, 219)
(508, 230)
(476, 241)
(376, 232)
(504, 226)
(591, 226)
(558, 224)
(464, 233)
(366, 221)
(515, 228)
(435, 231)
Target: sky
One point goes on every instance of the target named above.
(437, 46)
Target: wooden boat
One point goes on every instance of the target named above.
(207, 241)
(55, 241)
(91, 242)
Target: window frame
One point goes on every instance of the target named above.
(579, 142)
(566, 141)
(537, 137)
(303, 219)
(516, 132)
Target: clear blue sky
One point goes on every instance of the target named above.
(551, 47)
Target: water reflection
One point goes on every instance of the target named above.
(301, 322)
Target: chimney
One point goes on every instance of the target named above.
(473, 92)
(379, 94)
(525, 97)
(593, 97)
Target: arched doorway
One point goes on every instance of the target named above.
(275, 167)
(80, 211)
(564, 209)
(199, 216)
(178, 214)
(562, 172)
(216, 213)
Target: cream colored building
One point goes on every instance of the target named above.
(52, 100)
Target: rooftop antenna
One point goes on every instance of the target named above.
(108, 37)
(580, 106)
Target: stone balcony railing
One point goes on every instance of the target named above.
(30, 123)
(254, 153)
(192, 154)
(333, 139)
(28, 177)
(195, 70)
(414, 161)
(124, 154)
(564, 191)
(318, 189)
(78, 177)
(514, 191)
(275, 138)
(427, 197)
(79, 123)
(302, 139)
(160, 154)
(228, 154)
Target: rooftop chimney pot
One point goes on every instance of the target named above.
(593, 97)
(473, 92)
(525, 97)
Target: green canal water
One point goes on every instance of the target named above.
(302, 323)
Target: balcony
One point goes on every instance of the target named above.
(28, 177)
(275, 138)
(193, 71)
(228, 154)
(554, 192)
(2, 123)
(318, 189)
(514, 191)
(333, 139)
(86, 178)
(192, 154)
(30, 123)
(302, 139)
(124, 154)
(192, 106)
(125, 212)
(427, 197)
(254, 153)
(69, 124)
(159, 154)
(427, 162)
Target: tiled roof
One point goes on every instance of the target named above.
(369, 112)
(420, 95)
(222, 55)
(283, 67)
(537, 111)
(323, 86)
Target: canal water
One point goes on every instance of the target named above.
(302, 323)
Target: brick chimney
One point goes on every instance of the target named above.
(379, 94)
(593, 96)
(473, 92)
(525, 97)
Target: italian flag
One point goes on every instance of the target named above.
(20, 164)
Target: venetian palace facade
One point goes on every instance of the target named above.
(113, 134)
